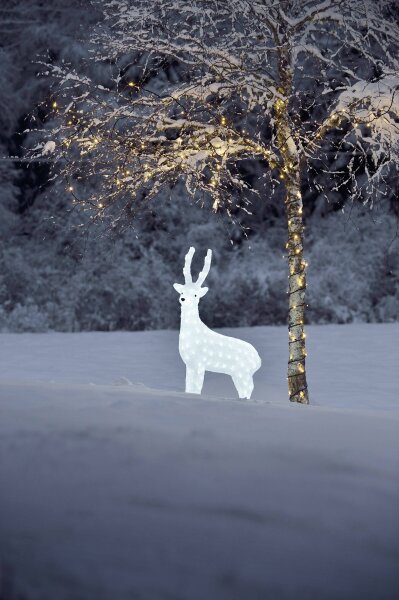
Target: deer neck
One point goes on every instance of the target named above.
(189, 317)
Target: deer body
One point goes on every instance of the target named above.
(202, 349)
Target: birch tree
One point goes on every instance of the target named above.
(292, 84)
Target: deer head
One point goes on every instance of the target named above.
(191, 292)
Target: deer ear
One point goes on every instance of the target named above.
(203, 291)
(178, 287)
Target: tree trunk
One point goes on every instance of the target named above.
(297, 385)
(290, 174)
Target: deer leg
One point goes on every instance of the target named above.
(244, 385)
(249, 386)
(194, 380)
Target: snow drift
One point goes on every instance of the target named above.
(115, 486)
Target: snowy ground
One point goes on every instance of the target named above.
(115, 485)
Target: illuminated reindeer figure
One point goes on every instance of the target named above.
(202, 349)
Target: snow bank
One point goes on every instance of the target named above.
(351, 366)
(119, 490)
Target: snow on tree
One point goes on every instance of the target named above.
(290, 83)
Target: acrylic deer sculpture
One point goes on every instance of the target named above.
(202, 349)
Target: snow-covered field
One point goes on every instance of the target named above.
(115, 485)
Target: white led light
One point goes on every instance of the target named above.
(202, 349)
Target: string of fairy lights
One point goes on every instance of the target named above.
(178, 157)
(296, 263)
(297, 268)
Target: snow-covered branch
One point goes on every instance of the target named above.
(241, 73)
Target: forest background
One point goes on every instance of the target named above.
(59, 271)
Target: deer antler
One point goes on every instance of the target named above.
(187, 265)
(207, 265)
